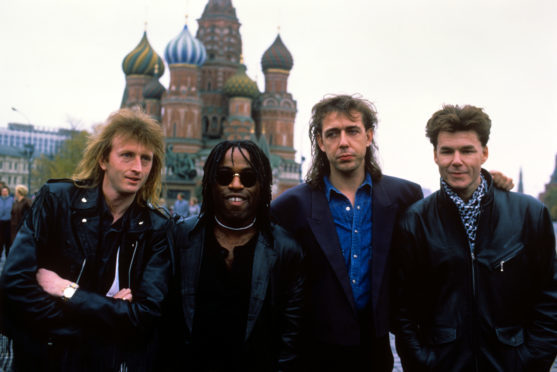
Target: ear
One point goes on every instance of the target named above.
(485, 154)
(435, 158)
(369, 135)
(102, 164)
(320, 142)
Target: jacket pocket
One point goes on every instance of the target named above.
(440, 335)
(511, 336)
(514, 250)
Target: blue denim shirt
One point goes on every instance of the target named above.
(353, 225)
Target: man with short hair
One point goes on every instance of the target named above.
(476, 286)
(344, 217)
(240, 275)
(6, 203)
(85, 281)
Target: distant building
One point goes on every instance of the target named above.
(520, 187)
(13, 166)
(549, 195)
(44, 141)
(211, 98)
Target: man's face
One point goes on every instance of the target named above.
(345, 142)
(460, 156)
(127, 167)
(235, 203)
(5, 192)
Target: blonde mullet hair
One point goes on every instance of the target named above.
(130, 124)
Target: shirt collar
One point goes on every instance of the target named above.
(329, 188)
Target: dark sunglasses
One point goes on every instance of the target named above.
(248, 177)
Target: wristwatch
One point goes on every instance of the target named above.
(69, 291)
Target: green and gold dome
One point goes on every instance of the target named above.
(142, 60)
(240, 85)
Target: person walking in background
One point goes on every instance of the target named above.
(20, 206)
(194, 208)
(180, 206)
(6, 203)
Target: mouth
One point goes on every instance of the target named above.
(235, 200)
(345, 157)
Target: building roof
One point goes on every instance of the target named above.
(185, 48)
(142, 59)
(240, 85)
(277, 56)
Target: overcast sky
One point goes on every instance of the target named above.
(62, 59)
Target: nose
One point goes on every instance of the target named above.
(457, 159)
(236, 183)
(343, 139)
(136, 164)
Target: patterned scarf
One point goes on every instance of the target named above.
(470, 211)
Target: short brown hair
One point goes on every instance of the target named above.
(454, 118)
(131, 124)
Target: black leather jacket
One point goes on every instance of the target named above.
(491, 310)
(274, 319)
(61, 234)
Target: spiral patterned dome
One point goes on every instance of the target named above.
(240, 85)
(154, 89)
(277, 56)
(142, 60)
(184, 48)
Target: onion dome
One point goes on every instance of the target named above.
(154, 89)
(142, 60)
(240, 85)
(277, 56)
(184, 48)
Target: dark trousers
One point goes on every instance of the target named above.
(372, 355)
(5, 236)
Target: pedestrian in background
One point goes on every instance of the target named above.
(20, 206)
(6, 202)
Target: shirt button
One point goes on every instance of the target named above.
(358, 207)
(347, 208)
(355, 256)
(354, 281)
(356, 231)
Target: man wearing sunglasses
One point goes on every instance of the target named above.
(240, 276)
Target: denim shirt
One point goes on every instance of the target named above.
(353, 225)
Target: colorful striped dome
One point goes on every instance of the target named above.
(142, 60)
(184, 48)
(277, 56)
(240, 85)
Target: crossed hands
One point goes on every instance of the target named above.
(54, 285)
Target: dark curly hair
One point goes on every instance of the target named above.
(260, 164)
(346, 105)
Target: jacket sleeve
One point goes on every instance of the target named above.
(148, 293)
(406, 288)
(291, 317)
(22, 293)
(541, 333)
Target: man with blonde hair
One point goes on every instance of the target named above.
(84, 286)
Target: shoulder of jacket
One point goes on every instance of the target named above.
(283, 238)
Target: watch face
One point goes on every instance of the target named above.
(68, 292)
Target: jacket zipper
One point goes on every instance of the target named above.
(131, 264)
(81, 271)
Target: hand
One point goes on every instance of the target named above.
(124, 294)
(501, 181)
(51, 282)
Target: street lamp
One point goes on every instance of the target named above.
(28, 151)
(22, 114)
